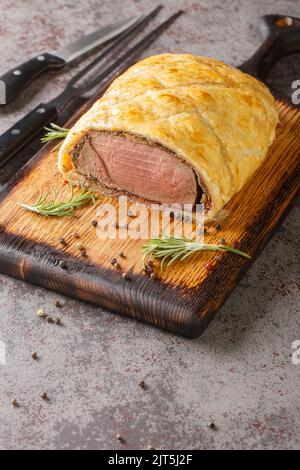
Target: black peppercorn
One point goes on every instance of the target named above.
(142, 384)
(62, 241)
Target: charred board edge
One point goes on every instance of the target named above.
(138, 297)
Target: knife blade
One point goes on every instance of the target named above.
(13, 82)
(23, 132)
(89, 42)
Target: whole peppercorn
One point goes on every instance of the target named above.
(15, 403)
(94, 223)
(208, 266)
(142, 384)
(41, 313)
(34, 356)
(114, 261)
(149, 267)
(50, 320)
(44, 396)
(62, 241)
(212, 425)
(217, 226)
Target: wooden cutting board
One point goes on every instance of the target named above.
(182, 299)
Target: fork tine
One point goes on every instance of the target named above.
(130, 54)
(110, 48)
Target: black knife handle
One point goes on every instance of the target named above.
(15, 138)
(17, 79)
(281, 38)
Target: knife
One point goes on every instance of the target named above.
(12, 83)
(19, 135)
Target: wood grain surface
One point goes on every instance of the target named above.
(182, 299)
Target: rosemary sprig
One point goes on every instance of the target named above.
(49, 206)
(173, 248)
(54, 132)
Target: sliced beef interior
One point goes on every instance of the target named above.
(125, 163)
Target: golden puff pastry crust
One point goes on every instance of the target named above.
(218, 119)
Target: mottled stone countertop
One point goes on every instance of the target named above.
(239, 374)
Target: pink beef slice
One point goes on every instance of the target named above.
(134, 166)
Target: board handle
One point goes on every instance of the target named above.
(281, 38)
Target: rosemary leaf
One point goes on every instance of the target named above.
(173, 248)
(48, 205)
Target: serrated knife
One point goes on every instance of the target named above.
(16, 80)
